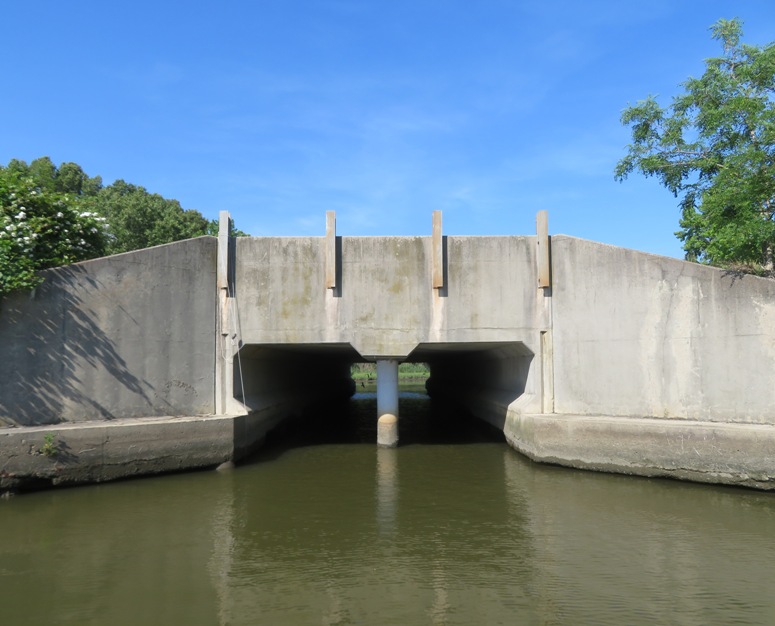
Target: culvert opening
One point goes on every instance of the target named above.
(328, 393)
(291, 377)
(484, 378)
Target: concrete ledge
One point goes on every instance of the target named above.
(708, 452)
(99, 451)
(91, 452)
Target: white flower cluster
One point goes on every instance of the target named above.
(14, 229)
(70, 232)
(96, 217)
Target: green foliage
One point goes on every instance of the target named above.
(714, 148)
(49, 448)
(51, 216)
(68, 178)
(413, 370)
(363, 371)
(41, 227)
(214, 226)
(368, 371)
(139, 219)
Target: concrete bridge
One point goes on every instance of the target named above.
(584, 354)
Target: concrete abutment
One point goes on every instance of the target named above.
(584, 354)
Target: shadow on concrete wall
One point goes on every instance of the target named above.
(55, 355)
(485, 378)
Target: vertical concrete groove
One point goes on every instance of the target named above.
(227, 318)
(330, 250)
(438, 252)
(547, 372)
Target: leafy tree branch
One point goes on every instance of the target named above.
(713, 147)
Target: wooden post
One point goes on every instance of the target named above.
(543, 252)
(330, 249)
(438, 252)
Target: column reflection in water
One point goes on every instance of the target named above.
(387, 490)
(221, 560)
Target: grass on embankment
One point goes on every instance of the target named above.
(406, 371)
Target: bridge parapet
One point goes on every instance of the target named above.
(385, 304)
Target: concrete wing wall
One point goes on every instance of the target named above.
(642, 335)
(130, 335)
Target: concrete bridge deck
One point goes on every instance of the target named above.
(584, 354)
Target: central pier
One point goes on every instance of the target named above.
(387, 403)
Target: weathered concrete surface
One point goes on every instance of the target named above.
(99, 451)
(106, 450)
(615, 366)
(658, 367)
(646, 336)
(710, 452)
(130, 335)
(385, 305)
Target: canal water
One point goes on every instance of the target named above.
(453, 527)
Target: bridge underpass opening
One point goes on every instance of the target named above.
(483, 377)
(287, 378)
(284, 380)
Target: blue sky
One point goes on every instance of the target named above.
(383, 111)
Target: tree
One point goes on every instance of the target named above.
(214, 227)
(714, 147)
(70, 178)
(139, 219)
(41, 228)
(52, 216)
(67, 178)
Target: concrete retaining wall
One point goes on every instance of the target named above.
(130, 335)
(646, 336)
(91, 452)
(700, 451)
(659, 367)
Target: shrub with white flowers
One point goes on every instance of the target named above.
(52, 216)
(41, 228)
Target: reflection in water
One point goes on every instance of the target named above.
(387, 489)
(222, 536)
(333, 530)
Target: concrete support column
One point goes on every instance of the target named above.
(387, 402)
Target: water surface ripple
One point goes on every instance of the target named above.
(453, 527)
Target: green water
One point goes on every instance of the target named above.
(453, 527)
